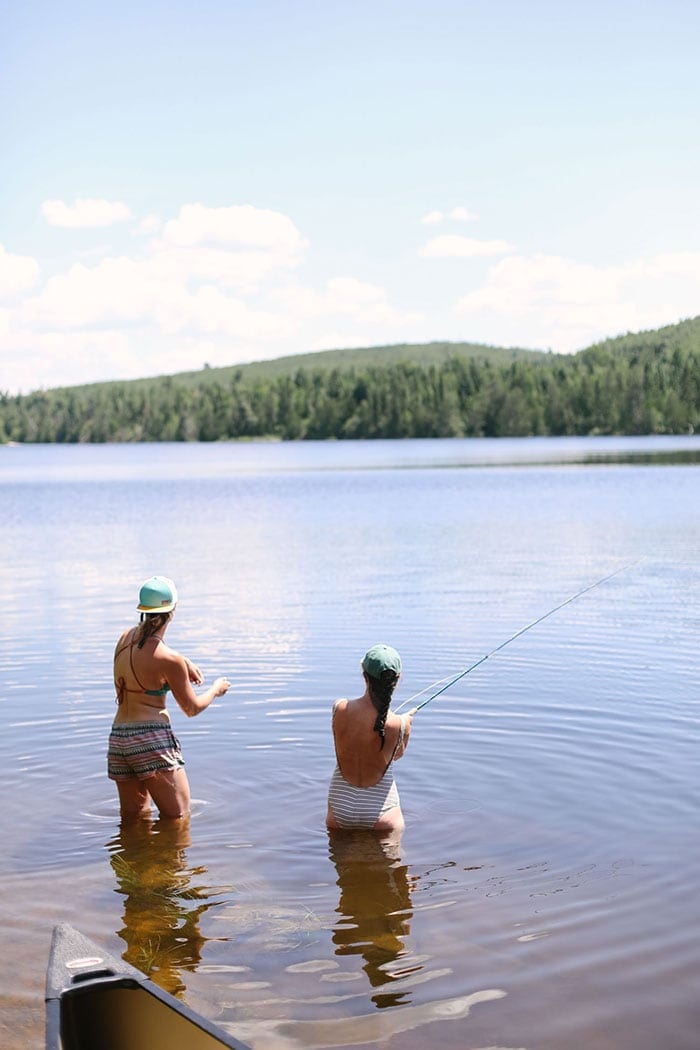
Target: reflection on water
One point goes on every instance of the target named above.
(375, 905)
(665, 457)
(162, 907)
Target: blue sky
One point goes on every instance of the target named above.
(220, 182)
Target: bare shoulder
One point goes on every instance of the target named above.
(123, 638)
(170, 657)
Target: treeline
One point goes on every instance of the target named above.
(649, 387)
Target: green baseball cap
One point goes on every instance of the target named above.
(158, 594)
(381, 658)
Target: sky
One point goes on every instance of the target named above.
(191, 184)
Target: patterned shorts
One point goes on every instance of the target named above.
(141, 749)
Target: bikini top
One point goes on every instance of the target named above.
(121, 682)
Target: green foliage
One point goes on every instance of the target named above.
(637, 384)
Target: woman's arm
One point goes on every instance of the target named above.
(407, 720)
(179, 674)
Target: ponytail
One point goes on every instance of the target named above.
(150, 623)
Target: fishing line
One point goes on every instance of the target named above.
(482, 659)
(450, 679)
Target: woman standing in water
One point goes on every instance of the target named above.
(368, 739)
(144, 756)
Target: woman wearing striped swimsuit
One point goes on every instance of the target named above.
(144, 756)
(368, 739)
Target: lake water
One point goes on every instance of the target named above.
(544, 895)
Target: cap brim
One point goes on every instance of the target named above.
(157, 609)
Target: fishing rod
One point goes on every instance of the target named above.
(462, 674)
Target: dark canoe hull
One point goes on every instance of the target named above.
(95, 1001)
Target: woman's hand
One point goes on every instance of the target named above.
(193, 673)
(182, 675)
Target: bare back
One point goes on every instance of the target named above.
(142, 678)
(361, 759)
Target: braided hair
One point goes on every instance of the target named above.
(380, 692)
(150, 623)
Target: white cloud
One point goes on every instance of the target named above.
(34, 360)
(211, 311)
(162, 284)
(454, 246)
(463, 215)
(460, 214)
(364, 301)
(18, 273)
(86, 212)
(244, 270)
(153, 291)
(239, 226)
(214, 282)
(360, 301)
(116, 290)
(567, 305)
(518, 283)
(148, 225)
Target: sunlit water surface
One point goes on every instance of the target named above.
(544, 894)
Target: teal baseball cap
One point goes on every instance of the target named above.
(381, 658)
(158, 594)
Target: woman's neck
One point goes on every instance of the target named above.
(156, 636)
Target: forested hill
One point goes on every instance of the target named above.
(641, 383)
(357, 358)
